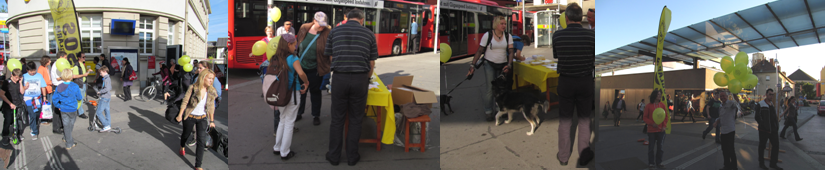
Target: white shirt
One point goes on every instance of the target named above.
(199, 109)
(727, 116)
(281, 31)
(498, 50)
(55, 76)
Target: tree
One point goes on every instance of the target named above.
(4, 9)
(808, 90)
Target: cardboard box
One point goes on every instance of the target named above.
(403, 92)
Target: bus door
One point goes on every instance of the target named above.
(470, 25)
(390, 32)
(457, 37)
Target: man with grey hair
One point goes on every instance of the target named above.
(353, 69)
(574, 47)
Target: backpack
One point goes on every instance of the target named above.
(276, 85)
(490, 40)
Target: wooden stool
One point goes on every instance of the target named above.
(423, 120)
(379, 126)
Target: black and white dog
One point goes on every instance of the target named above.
(509, 102)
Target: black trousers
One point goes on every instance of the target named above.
(8, 114)
(575, 92)
(728, 151)
(640, 115)
(57, 119)
(688, 112)
(350, 97)
(763, 140)
(617, 115)
(127, 92)
(200, 126)
(315, 90)
(793, 124)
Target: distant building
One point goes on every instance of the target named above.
(800, 78)
(767, 74)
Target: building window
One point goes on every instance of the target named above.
(91, 31)
(171, 34)
(147, 32)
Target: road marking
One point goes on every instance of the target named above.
(50, 154)
(21, 162)
(668, 161)
(697, 159)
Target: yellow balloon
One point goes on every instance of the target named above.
(741, 58)
(259, 48)
(276, 14)
(446, 52)
(721, 79)
(188, 67)
(658, 115)
(272, 47)
(563, 20)
(14, 64)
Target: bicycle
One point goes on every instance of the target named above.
(150, 92)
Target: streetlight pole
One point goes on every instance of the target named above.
(437, 22)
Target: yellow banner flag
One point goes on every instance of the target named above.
(66, 29)
(659, 75)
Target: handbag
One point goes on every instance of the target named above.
(208, 138)
(133, 77)
(46, 112)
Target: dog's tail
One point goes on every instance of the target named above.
(544, 105)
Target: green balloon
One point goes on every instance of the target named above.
(741, 58)
(563, 20)
(734, 86)
(740, 71)
(272, 47)
(721, 79)
(750, 81)
(14, 64)
(446, 52)
(188, 67)
(62, 64)
(658, 115)
(726, 63)
(183, 60)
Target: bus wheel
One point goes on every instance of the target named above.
(396, 47)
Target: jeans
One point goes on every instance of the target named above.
(80, 110)
(710, 127)
(763, 140)
(728, 151)
(200, 125)
(68, 125)
(263, 73)
(350, 98)
(103, 111)
(490, 74)
(283, 137)
(315, 90)
(640, 115)
(34, 120)
(617, 116)
(657, 139)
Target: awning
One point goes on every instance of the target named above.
(775, 25)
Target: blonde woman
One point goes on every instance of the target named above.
(199, 102)
(65, 98)
(498, 58)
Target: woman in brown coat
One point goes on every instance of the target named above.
(313, 61)
(200, 107)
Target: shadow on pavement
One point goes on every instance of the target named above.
(164, 132)
(61, 153)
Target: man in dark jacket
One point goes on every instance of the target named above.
(712, 112)
(618, 108)
(768, 129)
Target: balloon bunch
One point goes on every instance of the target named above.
(737, 75)
(184, 61)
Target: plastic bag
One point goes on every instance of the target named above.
(46, 112)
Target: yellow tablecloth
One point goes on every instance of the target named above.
(382, 98)
(536, 74)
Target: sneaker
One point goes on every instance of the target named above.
(5, 141)
(191, 142)
(83, 116)
(34, 137)
(289, 155)
(73, 145)
(316, 121)
(105, 129)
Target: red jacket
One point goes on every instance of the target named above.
(652, 127)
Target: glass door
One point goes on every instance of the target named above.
(544, 34)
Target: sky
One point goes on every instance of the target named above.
(218, 23)
(621, 24)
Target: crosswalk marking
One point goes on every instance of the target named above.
(54, 161)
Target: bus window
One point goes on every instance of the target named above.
(469, 23)
(369, 20)
(485, 22)
(384, 22)
(404, 24)
(287, 14)
(254, 23)
(426, 18)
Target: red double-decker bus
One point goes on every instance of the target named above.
(390, 20)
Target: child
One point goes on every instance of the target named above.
(34, 87)
(12, 99)
(105, 97)
(65, 98)
(287, 59)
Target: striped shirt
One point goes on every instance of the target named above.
(352, 47)
(575, 49)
